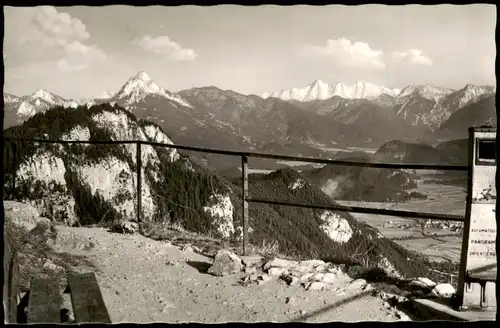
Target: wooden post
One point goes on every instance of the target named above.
(244, 172)
(459, 296)
(139, 182)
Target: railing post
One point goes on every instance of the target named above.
(139, 182)
(244, 172)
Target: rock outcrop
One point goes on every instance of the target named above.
(23, 215)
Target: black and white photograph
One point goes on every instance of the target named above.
(232, 163)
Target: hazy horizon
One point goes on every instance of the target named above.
(78, 52)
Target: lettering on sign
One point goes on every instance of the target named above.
(483, 242)
(484, 230)
(483, 254)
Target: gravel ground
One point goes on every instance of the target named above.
(143, 280)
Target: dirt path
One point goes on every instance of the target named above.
(143, 281)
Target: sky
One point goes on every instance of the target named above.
(78, 52)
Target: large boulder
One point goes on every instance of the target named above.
(22, 214)
(225, 263)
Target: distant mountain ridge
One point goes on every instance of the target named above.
(216, 118)
(18, 109)
(319, 90)
(481, 112)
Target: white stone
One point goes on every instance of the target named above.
(329, 277)
(311, 263)
(318, 277)
(52, 266)
(277, 271)
(279, 263)
(306, 277)
(358, 283)
(340, 293)
(428, 283)
(443, 291)
(368, 288)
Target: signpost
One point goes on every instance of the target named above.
(478, 263)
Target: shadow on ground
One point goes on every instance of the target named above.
(332, 306)
(400, 287)
(202, 267)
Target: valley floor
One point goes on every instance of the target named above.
(143, 280)
(443, 199)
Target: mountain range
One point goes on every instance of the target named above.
(319, 90)
(303, 122)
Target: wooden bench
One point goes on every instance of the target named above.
(481, 278)
(44, 305)
(44, 299)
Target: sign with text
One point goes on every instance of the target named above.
(478, 261)
(482, 236)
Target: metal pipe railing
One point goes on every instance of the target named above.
(244, 168)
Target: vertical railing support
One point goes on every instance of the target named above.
(244, 172)
(139, 182)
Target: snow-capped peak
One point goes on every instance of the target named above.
(140, 86)
(427, 91)
(319, 90)
(318, 83)
(469, 93)
(10, 99)
(46, 96)
(143, 76)
(479, 89)
(106, 95)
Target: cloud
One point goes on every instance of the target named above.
(66, 66)
(162, 45)
(411, 56)
(76, 49)
(60, 26)
(44, 34)
(347, 53)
